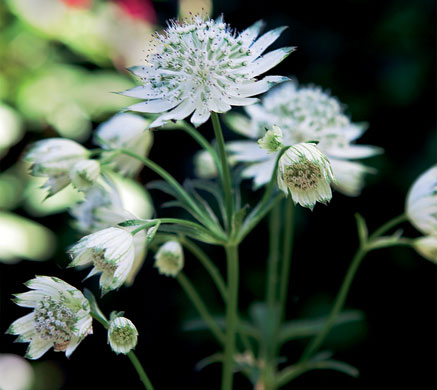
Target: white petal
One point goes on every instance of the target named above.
(354, 151)
(200, 116)
(255, 88)
(142, 92)
(250, 33)
(38, 347)
(180, 112)
(154, 106)
(260, 172)
(29, 298)
(247, 151)
(263, 42)
(24, 326)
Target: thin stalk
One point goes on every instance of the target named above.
(317, 341)
(231, 317)
(388, 225)
(200, 306)
(207, 263)
(140, 370)
(225, 171)
(273, 259)
(286, 255)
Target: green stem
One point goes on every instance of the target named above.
(225, 171)
(273, 259)
(207, 263)
(388, 225)
(317, 341)
(200, 306)
(140, 370)
(231, 317)
(286, 255)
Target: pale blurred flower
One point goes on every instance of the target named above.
(201, 66)
(122, 335)
(306, 174)
(60, 318)
(170, 258)
(54, 158)
(110, 251)
(204, 166)
(15, 373)
(421, 204)
(427, 247)
(127, 131)
(304, 114)
(84, 174)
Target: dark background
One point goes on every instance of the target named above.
(378, 58)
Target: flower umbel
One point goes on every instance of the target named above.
(122, 335)
(304, 114)
(170, 258)
(54, 158)
(201, 65)
(111, 251)
(306, 174)
(60, 318)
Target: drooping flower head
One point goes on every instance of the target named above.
(421, 204)
(170, 258)
(84, 174)
(54, 158)
(304, 114)
(60, 318)
(111, 251)
(127, 131)
(201, 65)
(122, 335)
(306, 174)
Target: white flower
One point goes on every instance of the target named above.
(15, 373)
(427, 247)
(421, 204)
(54, 158)
(304, 115)
(204, 166)
(111, 251)
(84, 174)
(203, 66)
(122, 335)
(125, 131)
(60, 318)
(272, 140)
(306, 174)
(170, 258)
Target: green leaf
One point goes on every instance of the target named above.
(95, 310)
(196, 233)
(298, 329)
(133, 222)
(238, 217)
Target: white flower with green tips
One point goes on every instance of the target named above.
(305, 173)
(272, 140)
(54, 158)
(421, 204)
(203, 66)
(170, 258)
(122, 335)
(125, 131)
(110, 251)
(304, 114)
(60, 318)
(84, 174)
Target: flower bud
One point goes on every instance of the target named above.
(170, 258)
(272, 140)
(122, 335)
(427, 247)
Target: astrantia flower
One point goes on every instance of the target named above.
(60, 318)
(122, 335)
(306, 174)
(84, 174)
(103, 208)
(202, 66)
(54, 158)
(305, 114)
(170, 258)
(127, 131)
(111, 251)
(421, 204)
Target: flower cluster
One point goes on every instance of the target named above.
(201, 65)
(304, 114)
